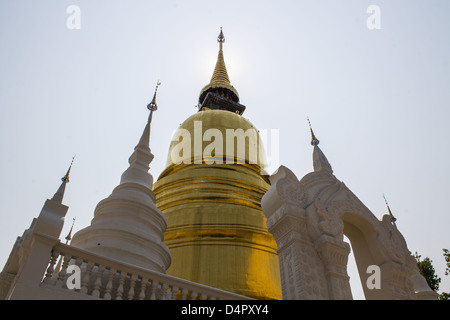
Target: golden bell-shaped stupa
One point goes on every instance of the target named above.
(210, 193)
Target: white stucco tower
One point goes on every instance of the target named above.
(127, 226)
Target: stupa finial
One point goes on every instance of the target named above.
(58, 196)
(66, 176)
(314, 140)
(393, 219)
(220, 80)
(69, 235)
(152, 106)
(221, 38)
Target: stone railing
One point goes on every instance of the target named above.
(103, 278)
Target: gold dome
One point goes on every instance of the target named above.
(216, 230)
(230, 125)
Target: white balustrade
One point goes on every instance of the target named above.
(108, 279)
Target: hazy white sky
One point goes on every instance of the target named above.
(377, 99)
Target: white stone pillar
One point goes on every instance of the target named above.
(334, 255)
(301, 271)
(34, 262)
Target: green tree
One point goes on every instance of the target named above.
(447, 260)
(427, 271)
(446, 295)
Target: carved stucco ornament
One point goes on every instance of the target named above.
(328, 222)
(394, 245)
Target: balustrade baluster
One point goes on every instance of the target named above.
(51, 267)
(184, 293)
(62, 273)
(174, 293)
(144, 282)
(86, 278)
(98, 281)
(120, 287)
(154, 287)
(132, 284)
(109, 285)
(164, 291)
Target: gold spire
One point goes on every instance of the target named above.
(393, 219)
(314, 140)
(69, 236)
(220, 79)
(221, 38)
(66, 176)
(220, 74)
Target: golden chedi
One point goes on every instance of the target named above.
(210, 193)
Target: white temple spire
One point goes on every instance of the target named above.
(127, 225)
(60, 193)
(51, 218)
(320, 162)
(142, 156)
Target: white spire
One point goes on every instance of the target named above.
(59, 195)
(142, 156)
(51, 218)
(144, 142)
(320, 162)
(127, 225)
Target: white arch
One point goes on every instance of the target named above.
(309, 218)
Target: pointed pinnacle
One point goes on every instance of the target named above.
(152, 105)
(69, 235)
(389, 210)
(221, 37)
(314, 140)
(220, 74)
(66, 176)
